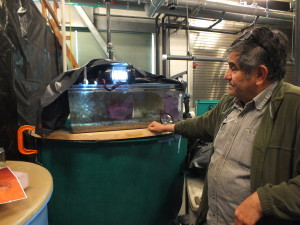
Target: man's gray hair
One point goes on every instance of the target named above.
(262, 46)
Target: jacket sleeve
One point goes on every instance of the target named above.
(196, 128)
(204, 127)
(282, 200)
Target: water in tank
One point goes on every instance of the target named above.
(129, 106)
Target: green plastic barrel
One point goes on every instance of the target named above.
(124, 182)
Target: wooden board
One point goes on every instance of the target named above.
(99, 136)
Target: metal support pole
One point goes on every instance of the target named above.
(157, 45)
(164, 47)
(109, 43)
(63, 33)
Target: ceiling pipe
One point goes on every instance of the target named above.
(202, 13)
(125, 16)
(202, 58)
(217, 22)
(193, 58)
(240, 13)
(234, 8)
(184, 27)
(153, 7)
(227, 16)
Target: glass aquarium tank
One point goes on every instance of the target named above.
(129, 106)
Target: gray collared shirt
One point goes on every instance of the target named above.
(229, 169)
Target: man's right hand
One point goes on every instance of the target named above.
(159, 128)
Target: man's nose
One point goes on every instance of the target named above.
(227, 75)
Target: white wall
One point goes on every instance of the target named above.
(129, 44)
(177, 39)
(178, 46)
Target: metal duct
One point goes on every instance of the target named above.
(234, 8)
(227, 16)
(205, 13)
(205, 9)
(154, 6)
(234, 12)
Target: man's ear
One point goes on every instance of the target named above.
(262, 74)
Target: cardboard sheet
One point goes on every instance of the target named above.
(10, 187)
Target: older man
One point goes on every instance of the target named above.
(253, 176)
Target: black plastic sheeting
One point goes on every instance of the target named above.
(30, 59)
(54, 105)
